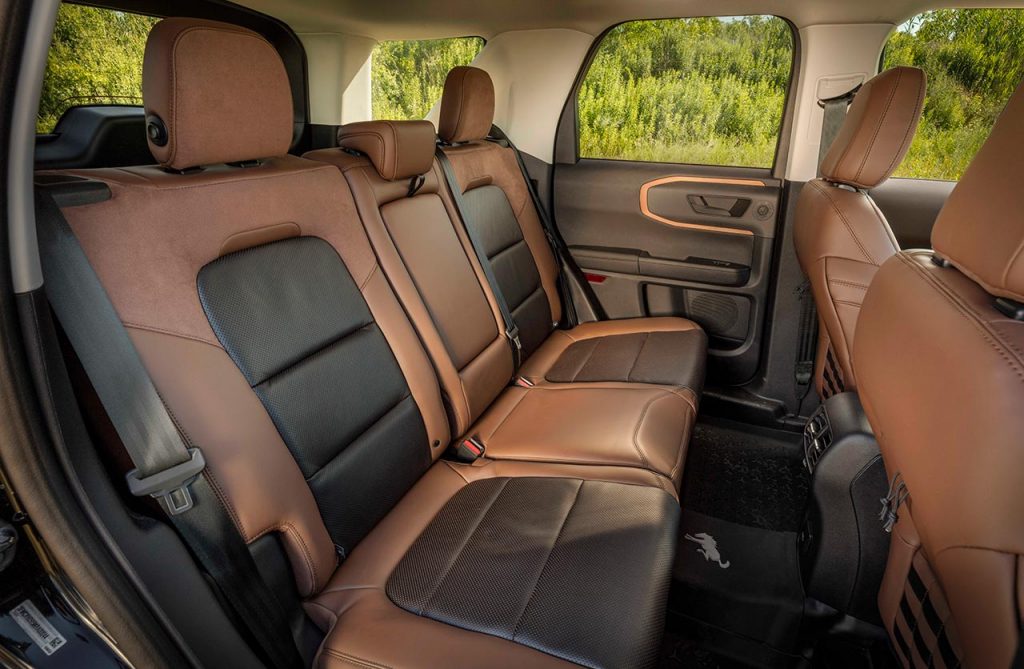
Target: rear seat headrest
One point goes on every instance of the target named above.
(397, 149)
(980, 230)
(878, 129)
(467, 105)
(214, 93)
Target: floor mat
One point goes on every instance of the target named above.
(753, 477)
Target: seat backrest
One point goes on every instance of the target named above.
(841, 236)
(940, 365)
(425, 253)
(257, 306)
(500, 206)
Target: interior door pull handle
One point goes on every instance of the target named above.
(713, 205)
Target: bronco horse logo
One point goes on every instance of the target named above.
(708, 548)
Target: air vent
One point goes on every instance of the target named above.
(817, 438)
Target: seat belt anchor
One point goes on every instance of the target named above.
(170, 487)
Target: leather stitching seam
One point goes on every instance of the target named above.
(846, 222)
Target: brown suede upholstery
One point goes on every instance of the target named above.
(467, 105)
(941, 376)
(980, 229)
(214, 109)
(399, 150)
(841, 237)
(878, 129)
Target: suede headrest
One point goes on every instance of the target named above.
(214, 93)
(981, 228)
(467, 105)
(397, 149)
(878, 129)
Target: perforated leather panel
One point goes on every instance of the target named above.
(491, 215)
(577, 569)
(292, 319)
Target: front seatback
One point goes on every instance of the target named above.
(257, 306)
(841, 236)
(422, 247)
(499, 205)
(940, 365)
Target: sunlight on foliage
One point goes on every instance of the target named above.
(408, 76)
(95, 57)
(705, 90)
(974, 59)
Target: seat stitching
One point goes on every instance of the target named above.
(846, 222)
(851, 284)
(358, 661)
(636, 431)
(547, 561)
(907, 135)
(586, 361)
(879, 124)
(465, 541)
(647, 338)
(992, 338)
(172, 333)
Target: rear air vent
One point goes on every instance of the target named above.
(817, 438)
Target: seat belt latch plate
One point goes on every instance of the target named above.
(468, 450)
(170, 487)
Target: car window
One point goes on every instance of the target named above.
(408, 76)
(705, 90)
(974, 58)
(95, 58)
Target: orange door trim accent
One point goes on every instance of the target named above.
(646, 211)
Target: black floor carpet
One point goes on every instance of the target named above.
(753, 477)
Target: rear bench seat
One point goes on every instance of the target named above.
(424, 250)
(257, 304)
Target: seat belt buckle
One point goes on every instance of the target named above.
(170, 487)
(513, 336)
(468, 450)
(523, 382)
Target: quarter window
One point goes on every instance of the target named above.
(408, 76)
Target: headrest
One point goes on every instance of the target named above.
(981, 228)
(214, 93)
(878, 129)
(397, 149)
(467, 105)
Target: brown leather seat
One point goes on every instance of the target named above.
(939, 358)
(258, 306)
(667, 352)
(428, 258)
(841, 237)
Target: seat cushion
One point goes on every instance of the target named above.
(647, 427)
(535, 565)
(660, 351)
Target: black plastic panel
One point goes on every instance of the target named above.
(95, 136)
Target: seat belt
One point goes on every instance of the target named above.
(511, 330)
(835, 109)
(166, 468)
(558, 245)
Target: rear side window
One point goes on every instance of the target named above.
(706, 91)
(95, 58)
(974, 59)
(408, 76)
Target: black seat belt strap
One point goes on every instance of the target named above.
(834, 115)
(166, 468)
(511, 330)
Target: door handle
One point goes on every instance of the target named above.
(713, 205)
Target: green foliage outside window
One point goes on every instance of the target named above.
(974, 59)
(705, 91)
(407, 77)
(95, 57)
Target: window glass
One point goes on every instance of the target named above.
(408, 76)
(95, 58)
(974, 59)
(706, 91)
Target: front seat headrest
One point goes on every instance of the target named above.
(980, 230)
(397, 149)
(214, 93)
(878, 129)
(467, 105)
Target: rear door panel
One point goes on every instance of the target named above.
(659, 239)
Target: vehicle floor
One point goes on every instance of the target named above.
(737, 597)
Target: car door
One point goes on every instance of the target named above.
(664, 178)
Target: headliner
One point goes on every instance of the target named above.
(420, 19)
